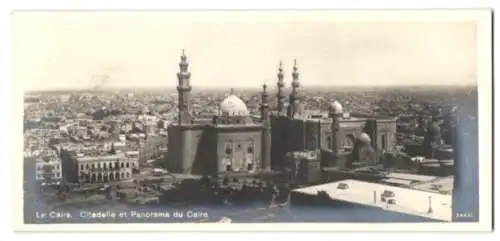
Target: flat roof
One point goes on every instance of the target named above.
(411, 177)
(242, 125)
(397, 181)
(442, 184)
(100, 157)
(408, 201)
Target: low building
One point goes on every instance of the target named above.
(48, 170)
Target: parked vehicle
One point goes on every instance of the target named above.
(343, 186)
(386, 195)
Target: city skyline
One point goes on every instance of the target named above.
(141, 49)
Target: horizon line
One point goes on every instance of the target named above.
(112, 88)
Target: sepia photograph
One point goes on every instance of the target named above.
(277, 118)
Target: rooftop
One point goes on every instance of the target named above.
(103, 157)
(443, 185)
(408, 201)
(410, 177)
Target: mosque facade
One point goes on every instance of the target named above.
(233, 142)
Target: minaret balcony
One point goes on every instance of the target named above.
(183, 75)
(184, 88)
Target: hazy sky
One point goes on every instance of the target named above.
(74, 50)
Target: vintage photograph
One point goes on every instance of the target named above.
(251, 116)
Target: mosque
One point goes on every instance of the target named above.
(234, 142)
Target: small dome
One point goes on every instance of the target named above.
(336, 108)
(434, 129)
(364, 138)
(233, 106)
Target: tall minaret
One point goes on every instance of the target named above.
(266, 133)
(293, 100)
(281, 94)
(335, 113)
(184, 91)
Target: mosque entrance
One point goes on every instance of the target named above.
(238, 158)
(348, 142)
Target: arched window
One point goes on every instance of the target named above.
(250, 149)
(110, 165)
(128, 165)
(229, 149)
(122, 165)
(99, 165)
(81, 167)
(122, 175)
(133, 164)
(87, 166)
(329, 142)
(128, 174)
(349, 141)
(312, 144)
(384, 141)
(93, 165)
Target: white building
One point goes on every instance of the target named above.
(48, 170)
(104, 168)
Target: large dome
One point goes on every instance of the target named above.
(364, 138)
(336, 108)
(233, 106)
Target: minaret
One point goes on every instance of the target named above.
(336, 142)
(266, 133)
(335, 113)
(280, 95)
(264, 107)
(184, 91)
(293, 100)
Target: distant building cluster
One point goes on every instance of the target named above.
(73, 142)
